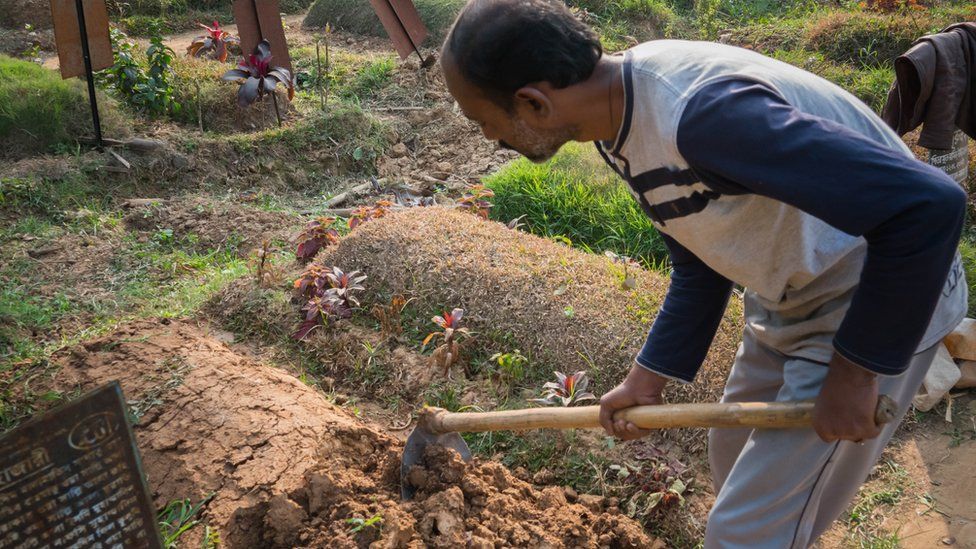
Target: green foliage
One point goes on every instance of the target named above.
(358, 524)
(511, 366)
(577, 197)
(368, 80)
(179, 517)
(967, 249)
(355, 16)
(39, 110)
(147, 87)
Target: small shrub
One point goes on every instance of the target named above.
(331, 295)
(318, 234)
(511, 366)
(148, 87)
(473, 201)
(217, 44)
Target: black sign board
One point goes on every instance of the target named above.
(72, 478)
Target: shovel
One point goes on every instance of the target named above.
(436, 426)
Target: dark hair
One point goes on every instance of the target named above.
(501, 45)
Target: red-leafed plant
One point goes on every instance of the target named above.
(363, 214)
(317, 234)
(448, 353)
(258, 78)
(329, 294)
(216, 44)
(473, 201)
(566, 390)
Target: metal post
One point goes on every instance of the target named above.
(86, 54)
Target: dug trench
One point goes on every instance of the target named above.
(288, 468)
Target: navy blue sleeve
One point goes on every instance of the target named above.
(687, 321)
(743, 135)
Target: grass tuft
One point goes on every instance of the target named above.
(39, 110)
(576, 197)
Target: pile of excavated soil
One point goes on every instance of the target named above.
(290, 469)
(561, 306)
(211, 225)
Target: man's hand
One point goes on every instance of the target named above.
(848, 398)
(640, 387)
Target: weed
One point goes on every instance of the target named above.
(358, 524)
(177, 518)
(148, 88)
(511, 366)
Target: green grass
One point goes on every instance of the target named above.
(356, 16)
(39, 110)
(575, 196)
(967, 249)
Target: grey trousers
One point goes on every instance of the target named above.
(782, 489)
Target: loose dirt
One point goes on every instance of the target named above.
(290, 469)
(211, 225)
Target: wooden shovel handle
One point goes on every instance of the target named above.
(756, 415)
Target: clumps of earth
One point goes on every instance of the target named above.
(289, 469)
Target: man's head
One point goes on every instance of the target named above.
(506, 60)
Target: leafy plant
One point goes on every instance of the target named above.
(363, 214)
(511, 365)
(473, 201)
(147, 88)
(318, 234)
(258, 78)
(447, 354)
(216, 44)
(330, 296)
(359, 524)
(177, 518)
(566, 390)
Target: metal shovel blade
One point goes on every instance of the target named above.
(413, 453)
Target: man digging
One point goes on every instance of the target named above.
(759, 174)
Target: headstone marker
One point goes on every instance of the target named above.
(261, 20)
(954, 161)
(72, 478)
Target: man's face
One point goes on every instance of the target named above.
(512, 130)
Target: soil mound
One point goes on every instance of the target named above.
(290, 469)
(565, 307)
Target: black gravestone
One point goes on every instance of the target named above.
(72, 478)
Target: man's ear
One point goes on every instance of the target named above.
(533, 102)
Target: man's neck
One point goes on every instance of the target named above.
(599, 101)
